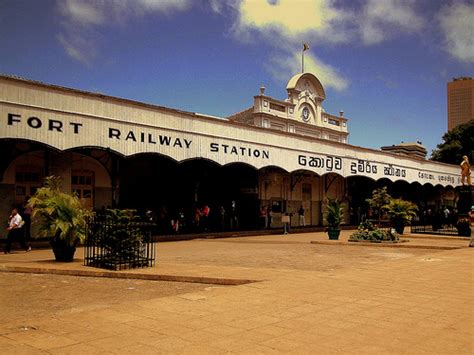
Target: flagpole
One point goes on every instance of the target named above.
(305, 47)
(302, 61)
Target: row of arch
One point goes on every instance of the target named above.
(144, 181)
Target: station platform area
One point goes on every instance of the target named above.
(297, 293)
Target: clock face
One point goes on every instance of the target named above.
(305, 114)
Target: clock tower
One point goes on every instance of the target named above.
(301, 112)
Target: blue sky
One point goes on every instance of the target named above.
(386, 63)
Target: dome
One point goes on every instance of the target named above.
(304, 81)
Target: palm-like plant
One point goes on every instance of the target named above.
(335, 213)
(401, 213)
(61, 215)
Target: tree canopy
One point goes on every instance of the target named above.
(456, 143)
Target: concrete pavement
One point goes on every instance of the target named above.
(307, 298)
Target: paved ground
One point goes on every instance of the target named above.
(309, 298)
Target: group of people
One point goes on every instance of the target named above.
(266, 217)
(199, 218)
(206, 218)
(443, 217)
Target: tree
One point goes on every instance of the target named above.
(457, 142)
(380, 197)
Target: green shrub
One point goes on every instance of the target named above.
(119, 235)
(368, 232)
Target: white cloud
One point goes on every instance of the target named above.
(285, 24)
(382, 19)
(81, 18)
(81, 12)
(292, 20)
(283, 67)
(97, 12)
(77, 47)
(457, 24)
(326, 21)
(162, 5)
(289, 16)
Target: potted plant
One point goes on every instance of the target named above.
(60, 216)
(401, 213)
(334, 217)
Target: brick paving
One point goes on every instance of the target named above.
(308, 298)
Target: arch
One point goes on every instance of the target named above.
(273, 167)
(304, 171)
(333, 173)
(291, 86)
(139, 155)
(238, 163)
(94, 147)
(16, 141)
(14, 148)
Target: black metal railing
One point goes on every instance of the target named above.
(119, 246)
(434, 225)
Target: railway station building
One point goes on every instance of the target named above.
(279, 153)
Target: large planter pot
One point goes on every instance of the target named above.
(62, 250)
(333, 234)
(399, 226)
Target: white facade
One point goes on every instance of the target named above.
(67, 119)
(300, 164)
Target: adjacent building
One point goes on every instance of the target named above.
(460, 101)
(413, 149)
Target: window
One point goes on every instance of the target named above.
(82, 183)
(27, 180)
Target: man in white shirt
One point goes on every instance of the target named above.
(15, 231)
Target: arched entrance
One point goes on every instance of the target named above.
(172, 189)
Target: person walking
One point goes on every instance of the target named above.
(301, 218)
(269, 217)
(15, 231)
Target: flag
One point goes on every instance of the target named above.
(305, 46)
